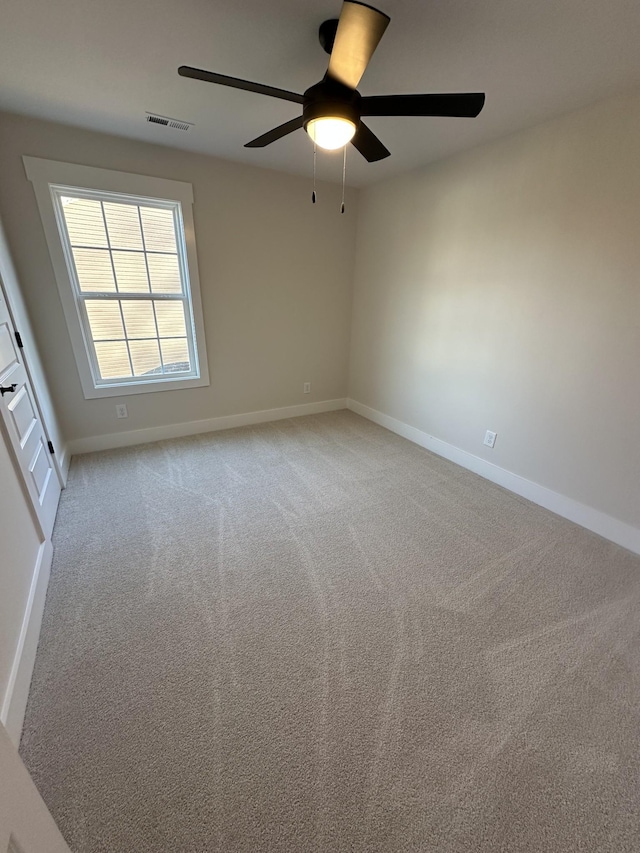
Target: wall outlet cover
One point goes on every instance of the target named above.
(490, 438)
(121, 411)
(306, 388)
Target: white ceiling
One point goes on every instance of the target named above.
(102, 63)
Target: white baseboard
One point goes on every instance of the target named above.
(64, 460)
(15, 699)
(598, 522)
(142, 436)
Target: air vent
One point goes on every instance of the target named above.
(165, 121)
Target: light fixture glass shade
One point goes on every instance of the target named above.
(331, 133)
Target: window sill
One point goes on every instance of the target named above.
(144, 387)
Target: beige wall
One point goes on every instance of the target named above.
(275, 271)
(501, 290)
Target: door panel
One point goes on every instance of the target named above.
(24, 429)
(21, 411)
(41, 469)
(8, 355)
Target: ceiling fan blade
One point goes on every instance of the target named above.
(466, 105)
(277, 133)
(360, 28)
(369, 145)
(237, 83)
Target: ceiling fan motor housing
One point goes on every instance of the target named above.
(328, 98)
(327, 34)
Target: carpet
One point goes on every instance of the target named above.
(313, 635)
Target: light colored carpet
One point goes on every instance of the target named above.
(315, 636)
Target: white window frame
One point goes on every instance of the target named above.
(48, 178)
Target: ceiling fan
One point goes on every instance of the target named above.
(332, 109)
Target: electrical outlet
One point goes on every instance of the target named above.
(490, 438)
(306, 388)
(121, 411)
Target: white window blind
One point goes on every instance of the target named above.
(127, 265)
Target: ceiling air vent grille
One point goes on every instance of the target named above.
(165, 121)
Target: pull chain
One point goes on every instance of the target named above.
(344, 175)
(313, 194)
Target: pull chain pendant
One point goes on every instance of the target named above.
(313, 194)
(344, 175)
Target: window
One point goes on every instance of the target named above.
(125, 261)
(125, 276)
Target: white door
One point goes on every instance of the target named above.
(25, 823)
(24, 429)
